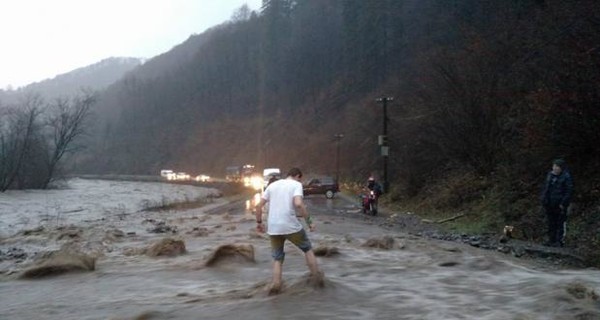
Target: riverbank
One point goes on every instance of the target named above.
(412, 223)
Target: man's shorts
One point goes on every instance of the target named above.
(299, 239)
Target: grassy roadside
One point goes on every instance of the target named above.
(469, 204)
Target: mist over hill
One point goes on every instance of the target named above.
(97, 76)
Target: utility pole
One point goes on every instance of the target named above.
(337, 137)
(383, 142)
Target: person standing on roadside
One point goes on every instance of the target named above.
(284, 197)
(556, 198)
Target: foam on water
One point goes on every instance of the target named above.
(416, 279)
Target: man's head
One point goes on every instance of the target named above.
(295, 173)
(557, 166)
(371, 182)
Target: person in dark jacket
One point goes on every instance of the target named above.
(556, 198)
(374, 186)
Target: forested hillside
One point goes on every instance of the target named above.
(486, 94)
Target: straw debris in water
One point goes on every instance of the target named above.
(167, 247)
(236, 252)
(60, 262)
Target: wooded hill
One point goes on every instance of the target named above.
(486, 94)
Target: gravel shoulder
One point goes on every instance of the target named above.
(539, 255)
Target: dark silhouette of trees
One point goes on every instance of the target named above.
(68, 120)
(35, 137)
(20, 132)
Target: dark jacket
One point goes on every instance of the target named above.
(375, 187)
(558, 189)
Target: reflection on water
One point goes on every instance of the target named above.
(329, 204)
(417, 279)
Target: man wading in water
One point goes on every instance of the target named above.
(284, 197)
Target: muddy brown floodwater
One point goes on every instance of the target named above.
(406, 277)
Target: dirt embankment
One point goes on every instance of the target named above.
(551, 257)
(547, 257)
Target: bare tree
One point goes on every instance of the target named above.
(243, 13)
(18, 127)
(67, 122)
(32, 147)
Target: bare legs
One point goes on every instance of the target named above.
(277, 272)
(311, 262)
(316, 276)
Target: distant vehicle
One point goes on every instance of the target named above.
(268, 174)
(247, 174)
(255, 182)
(202, 178)
(233, 174)
(324, 185)
(182, 176)
(168, 174)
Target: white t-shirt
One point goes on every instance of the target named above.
(282, 213)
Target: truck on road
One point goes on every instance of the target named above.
(268, 173)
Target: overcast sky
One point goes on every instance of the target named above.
(40, 39)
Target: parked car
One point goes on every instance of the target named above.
(325, 185)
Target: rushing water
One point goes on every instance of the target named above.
(417, 279)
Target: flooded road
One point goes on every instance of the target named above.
(414, 279)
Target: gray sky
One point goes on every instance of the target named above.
(43, 38)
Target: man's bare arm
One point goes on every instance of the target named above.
(299, 204)
(258, 213)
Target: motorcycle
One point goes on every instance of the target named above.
(369, 202)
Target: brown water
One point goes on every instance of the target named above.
(418, 279)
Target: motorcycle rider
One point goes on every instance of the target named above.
(374, 190)
(374, 186)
